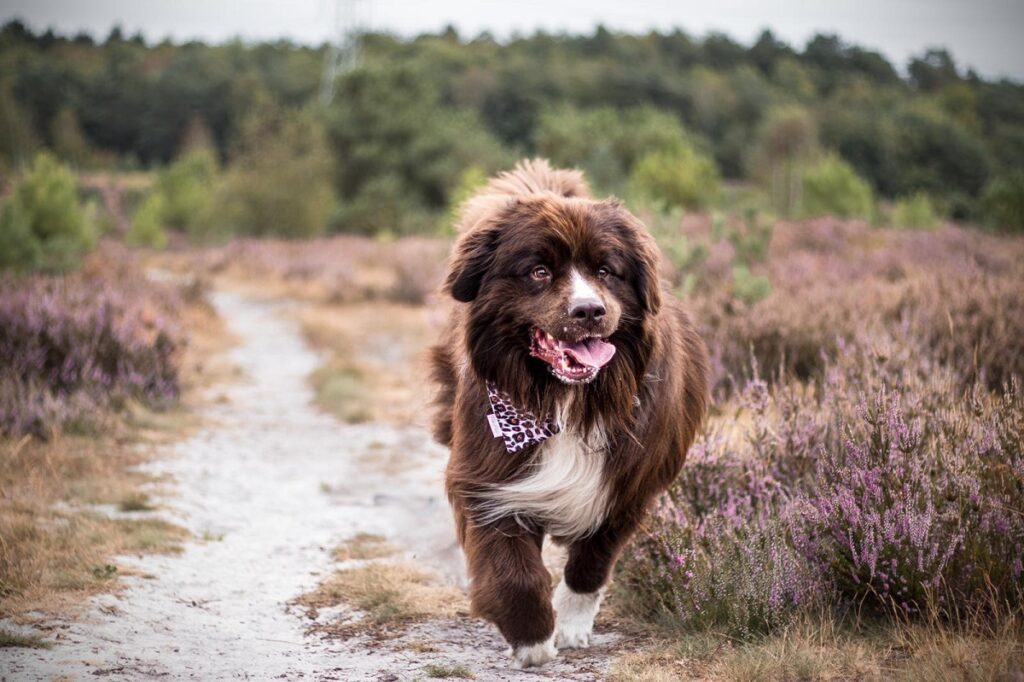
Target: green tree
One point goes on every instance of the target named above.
(147, 228)
(606, 142)
(1003, 202)
(68, 140)
(786, 139)
(399, 151)
(43, 225)
(832, 187)
(915, 211)
(17, 138)
(279, 182)
(186, 187)
(680, 176)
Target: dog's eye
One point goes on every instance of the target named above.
(540, 272)
(603, 272)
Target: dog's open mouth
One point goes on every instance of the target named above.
(572, 363)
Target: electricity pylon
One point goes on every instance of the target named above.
(343, 50)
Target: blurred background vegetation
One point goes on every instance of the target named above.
(207, 141)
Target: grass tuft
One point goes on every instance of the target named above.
(446, 671)
(364, 546)
(387, 594)
(9, 639)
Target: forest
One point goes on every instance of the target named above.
(244, 143)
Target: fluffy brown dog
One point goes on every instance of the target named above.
(571, 387)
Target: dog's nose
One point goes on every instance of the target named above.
(587, 310)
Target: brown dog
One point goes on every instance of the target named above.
(571, 387)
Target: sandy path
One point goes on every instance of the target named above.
(271, 484)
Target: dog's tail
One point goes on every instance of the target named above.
(530, 176)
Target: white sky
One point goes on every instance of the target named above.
(987, 35)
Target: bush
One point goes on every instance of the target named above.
(914, 212)
(187, 189)
(470, 180)
(915, 510)
(19, 247)
(147, 228)
(399, 150)
(280, 183)
(679, 177)
(899, 501)
(749, 235)
(718, 553)
(832, 187)
(786, 138)
(1002, 202)
(72, 345)
(43, 225)
(748, 287)
(605, 142)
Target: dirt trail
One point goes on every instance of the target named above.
(268, 487)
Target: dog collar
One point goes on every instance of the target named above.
(516, 427)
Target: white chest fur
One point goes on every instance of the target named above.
(565, 488)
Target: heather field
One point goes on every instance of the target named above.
(857, 498)
(855, 505)
(854, 508)
(220, 268)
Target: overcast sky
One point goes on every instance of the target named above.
(983, 34)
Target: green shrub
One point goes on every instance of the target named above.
(748, 287)
(280, 182)
(606, 142)
(147, 227)
(677, 177)
(1002, 202)
(785, 139)
(471, 179)
(916, 211)
(19, 248)
(685, 253)
(750, 235)
(832, 187)
(43, 225)
(393, 138)
(187, 189)
(18, 139)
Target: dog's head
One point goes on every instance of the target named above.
(558, 288)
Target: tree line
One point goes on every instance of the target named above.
(664, 115)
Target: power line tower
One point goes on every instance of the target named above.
(350, 20)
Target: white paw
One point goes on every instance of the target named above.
(534, 654)
(574, 616)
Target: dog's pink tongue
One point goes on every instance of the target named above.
(591, 352)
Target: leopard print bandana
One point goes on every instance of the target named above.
(518, 428)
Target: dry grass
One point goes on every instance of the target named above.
(375, 368)
(363, 547)
(821, 650)
(448, 671)
(387, 594)
(337, 269)
(10, 639)
(55, 547)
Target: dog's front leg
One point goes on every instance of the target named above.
(578, 597)
(510, 587)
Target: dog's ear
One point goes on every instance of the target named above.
(471, 259)
(647, 278)
(643, 254)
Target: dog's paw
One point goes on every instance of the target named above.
(575, 616)
(533, 655)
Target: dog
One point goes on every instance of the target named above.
(571, 384)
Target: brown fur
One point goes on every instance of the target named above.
(532, 215)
